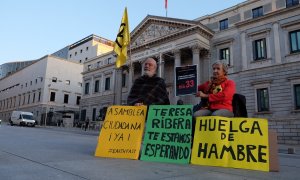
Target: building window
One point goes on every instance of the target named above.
(295, 41)
(86, 58)
(75, 53)
(257, 12)
(80, 61)
(108, 60)
(123, 80)
(66, 98)
(33, 99)
(54, 79)
(24, 99)
(83, 115)
(290, 3)
(36, 81)
(98, 64)
(68, 82)
(262, 99)
(87, 88)
(87, 48)
(28, 100)
(52, 96)
(94, 114)
(39, 96)
(107, 83)
(80, 50)
(89, 67)
(25, 84)
(259, 49)
(224, 24)
(297, 96)
(225, 55)
(30, 83)
(70, 55)
(96, 89)
(78, 100)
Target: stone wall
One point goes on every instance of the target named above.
(288, 130)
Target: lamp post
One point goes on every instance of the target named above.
(46, 116)
(47, 104)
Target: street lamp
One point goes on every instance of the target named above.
(47, 106)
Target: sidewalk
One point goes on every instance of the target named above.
(282, 148)
(289, 149)
(76, 130)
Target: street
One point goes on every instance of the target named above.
(62, 153)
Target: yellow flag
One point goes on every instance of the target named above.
(122, 41)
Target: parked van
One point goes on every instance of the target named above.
(22, 118)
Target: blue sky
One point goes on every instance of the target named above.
(33, 28)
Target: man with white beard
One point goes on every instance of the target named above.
(148, 89)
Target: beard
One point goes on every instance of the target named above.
(148, 73)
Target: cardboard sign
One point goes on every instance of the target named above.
(168, 134)
(231, 142)
(122, 131)
(186, 80)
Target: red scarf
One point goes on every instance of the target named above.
(214, 83)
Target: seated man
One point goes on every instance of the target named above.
(148, 89)
(218, 93)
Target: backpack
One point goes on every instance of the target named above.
(239, 105)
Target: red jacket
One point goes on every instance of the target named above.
(222, 96)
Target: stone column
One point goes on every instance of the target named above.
(118, 86)
(206, 67)
(177, 55)
(113, 80)
(161, 66)
(92, 85)
(244, 51)
(177, 63)
(196, 60)
(277, 44)
(102, 87)
(130, 76)
(142, 66)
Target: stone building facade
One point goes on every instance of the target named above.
(84, 49)
(259, 39)
(50, 86)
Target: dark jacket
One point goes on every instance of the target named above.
(148, 90)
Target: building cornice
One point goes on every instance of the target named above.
(218, 43)
(285, 25)
(233, 8)
(267, 16)
(158, 19)
(267, 30)
(267, 81)
(176, 35)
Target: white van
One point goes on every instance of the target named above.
(22, 118)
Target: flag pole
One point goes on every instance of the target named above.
(120, 48)
(166, 7)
